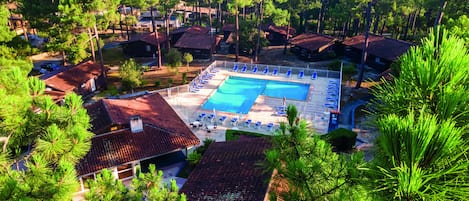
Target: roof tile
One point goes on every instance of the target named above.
(72, 77)
(230, 168)
(380, 46)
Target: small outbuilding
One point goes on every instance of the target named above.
(313, 47)
(83, 79)
(144, 45)
(382, 51)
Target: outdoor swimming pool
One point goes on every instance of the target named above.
(238, 94)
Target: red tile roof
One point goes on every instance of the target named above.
(230, 168)
(312, 41)
(55, 95)
(228, 27)
(281, 30)
(386, 48)
(123, 146)
(195, 41)
(72, 77)
(149, 38)
(164, 131)
(196, 29)
(153, 109)
(99, 117)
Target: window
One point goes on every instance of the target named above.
(125, 171)
(148, 48)
(93, 84)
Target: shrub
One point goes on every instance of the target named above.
(194, 158)
(205, 145)
(157, 83)
(174, 58)
(188, 58)
(342, 139)
(184, 78)
(170, 82)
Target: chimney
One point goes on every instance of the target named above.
(136, 124)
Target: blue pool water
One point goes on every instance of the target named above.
(238, 94)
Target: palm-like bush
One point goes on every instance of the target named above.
(423, 118)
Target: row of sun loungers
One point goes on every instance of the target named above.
(275, 72)
(234, 122)
(332, 98)
(202, 79)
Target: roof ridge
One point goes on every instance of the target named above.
(398, 40)
(107, 110)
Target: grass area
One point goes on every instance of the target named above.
(232, 135)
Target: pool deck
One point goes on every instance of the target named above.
(188, 106)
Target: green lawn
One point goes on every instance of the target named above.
(231, 135)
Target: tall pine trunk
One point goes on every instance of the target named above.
(365, 47)
(220, 13)
(101, 60)
(414, 30)
(155, 30)
(210, 16)
(440, 13)
(93, 54)
(237, 35)
(167, 18)
(200, 13)
(318, 29)
(376, 24)
(286, 40)
(407, 26)
(258, 43)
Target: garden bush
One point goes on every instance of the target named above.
(341, 139)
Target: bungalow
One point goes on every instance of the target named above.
(83, 79)
(382, 51)
(201, 46)
(278, 35)
(313, 47)
(229, 169)
(177, 33)
(131, 131)
(144, 45)
(227, 29)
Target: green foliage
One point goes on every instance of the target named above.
(311, 169)
(421, 158)
(145, 186)
(342, 139)
(184, 78)
(106, 187)
(174, 58)
(423, 117)
(433, 77)
(231, 135)
(207, 142)
(157, 83)
(459, 27)
(5, 33)
(188, 58)
(131, 74)
(194, 158)
(170, 82)
(59, 135)
(248, 37)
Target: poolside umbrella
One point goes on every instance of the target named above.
(214, 113)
